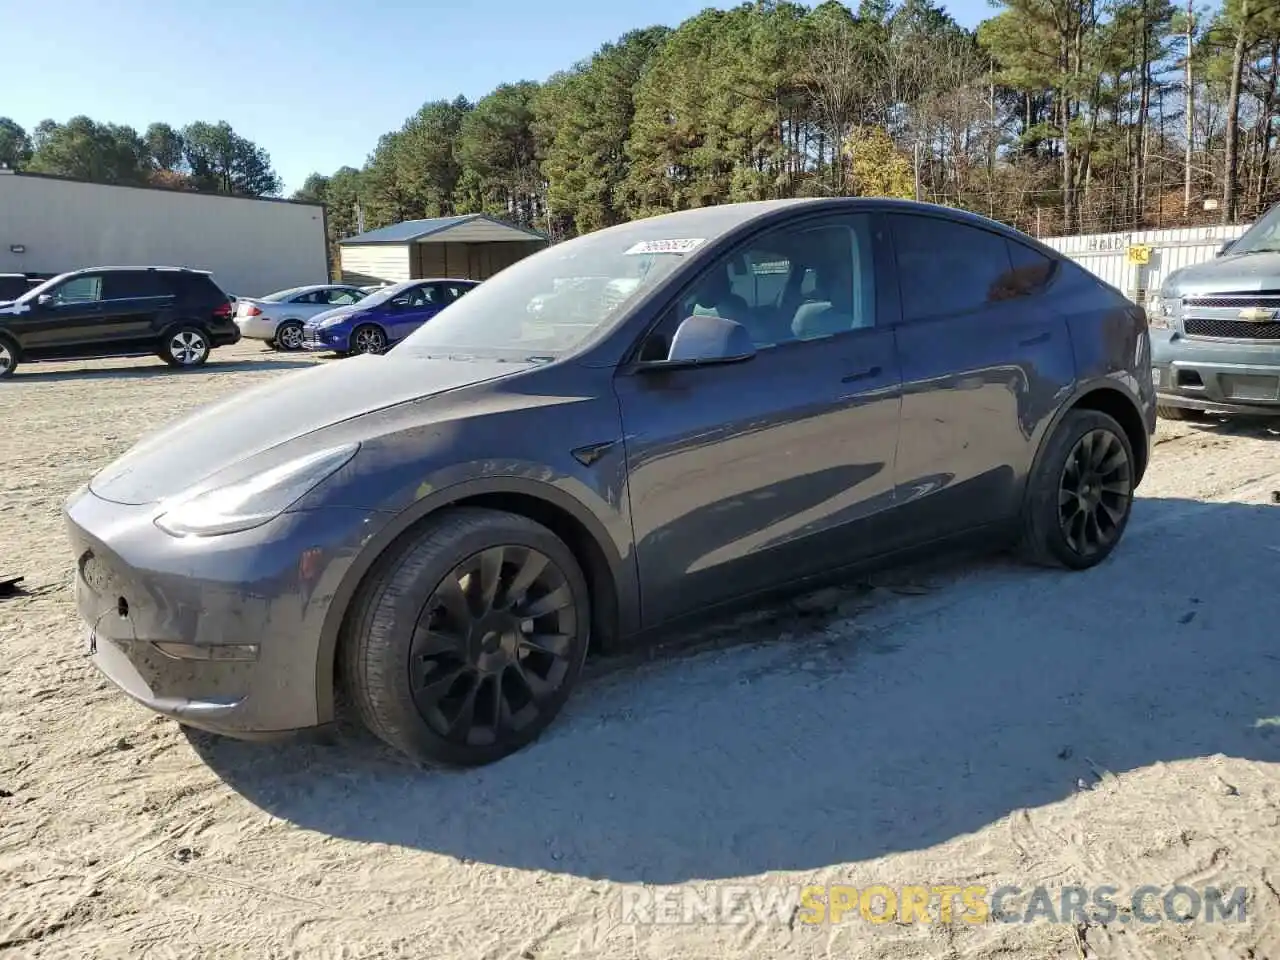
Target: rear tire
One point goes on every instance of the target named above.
(8, 358)
(288, 336)
(1080, 493)
(185, 347)
(464, 644)
(1179, 413)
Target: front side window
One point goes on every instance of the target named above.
(86, 288)
(793, 283)
(344, 298)
(413, 298)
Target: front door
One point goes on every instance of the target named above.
(410, 310)
(747, 475)
(65, 321)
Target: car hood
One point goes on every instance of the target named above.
(214, 438)
(336, 313)
(1234, 273)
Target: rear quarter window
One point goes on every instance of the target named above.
(197, 286)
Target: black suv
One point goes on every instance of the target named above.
(177, 313)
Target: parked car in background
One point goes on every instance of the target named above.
(372, 287)
(279, 318)
(791, 390)
(174, 312)
(382, 318)
(13, 285)
(1215, 339)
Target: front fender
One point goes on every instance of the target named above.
(563, 493)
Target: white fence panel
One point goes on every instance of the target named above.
(1107, 255)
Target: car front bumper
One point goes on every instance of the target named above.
(325, 340)
(1216, 376)
(220, 633)
(257, 328)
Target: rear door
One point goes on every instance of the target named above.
(132, 304)
(984, 358)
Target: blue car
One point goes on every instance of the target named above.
(383, 318)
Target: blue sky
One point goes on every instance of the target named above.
(315, 82)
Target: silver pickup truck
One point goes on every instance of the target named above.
(1215, 330)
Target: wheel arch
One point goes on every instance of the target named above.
(1105, 397)
(369, 323)
(609, 577)
(168, 329)
(13, 344)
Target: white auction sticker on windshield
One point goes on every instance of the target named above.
(667, 246)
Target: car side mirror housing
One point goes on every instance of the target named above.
(705, 340)
(44, 299)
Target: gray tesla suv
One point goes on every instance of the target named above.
(616, 434)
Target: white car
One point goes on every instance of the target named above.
(278, 318)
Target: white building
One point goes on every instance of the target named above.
(252, 246)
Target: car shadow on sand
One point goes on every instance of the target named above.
(1238, 425)
(850, 737)
(155, 368)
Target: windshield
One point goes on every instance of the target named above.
(551, 302)
(386, 293)
(45, 287)
(1263, 236)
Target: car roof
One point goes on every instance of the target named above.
(721, 219)
(112, 269)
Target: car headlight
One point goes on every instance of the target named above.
(253, 501)
(331, 322)
(1161, 311)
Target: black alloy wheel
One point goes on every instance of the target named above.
(467, 639)
(1079, 495)
(493, 645)
(1094, 493)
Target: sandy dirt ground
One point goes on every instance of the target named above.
(976, 723)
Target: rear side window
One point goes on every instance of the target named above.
(133, 284)
(197, 286)
(1032, 270)
(946, 268)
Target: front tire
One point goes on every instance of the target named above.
(464, 644)
(288, 336)
(1080, 494)
(367, 339)
(8, 358)
(185, 347)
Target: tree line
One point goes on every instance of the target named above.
(209, 157)
(1058, 116)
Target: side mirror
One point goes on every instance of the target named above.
(707, 340)
(44, 299)
(1225, 248)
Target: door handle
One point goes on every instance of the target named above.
(1038, 339)
(866, 374)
